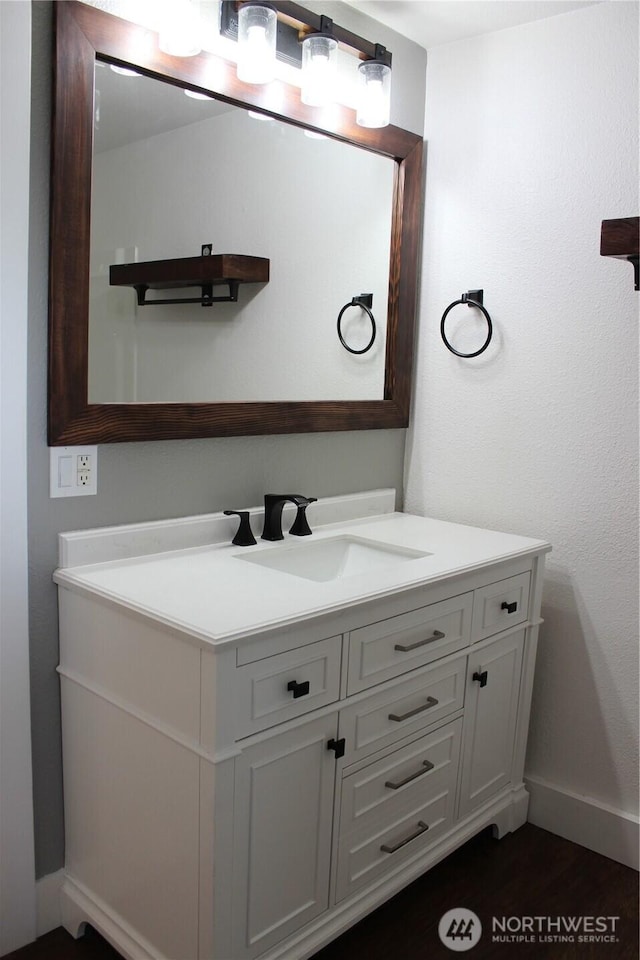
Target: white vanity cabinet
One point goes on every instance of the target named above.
(255, 798)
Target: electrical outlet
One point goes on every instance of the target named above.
(73, 471)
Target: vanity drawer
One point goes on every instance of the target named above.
(280, 688)
(395, 646)
(402, 708)
(401, 780)
(500, 605)
(380, 827)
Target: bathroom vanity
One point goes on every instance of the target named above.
(262, 744)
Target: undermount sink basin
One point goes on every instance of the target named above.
(331, 559)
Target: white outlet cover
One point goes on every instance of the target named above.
(71, 476)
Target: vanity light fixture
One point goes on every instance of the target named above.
(267, 31)
(374, 90)
(180, 30)
(315, 135)
(319, 65)
(257, 29)
(124, 71)
(195, 95)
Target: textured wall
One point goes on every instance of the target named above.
(144, 481)
(532, 141)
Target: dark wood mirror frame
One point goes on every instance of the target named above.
(84, 33)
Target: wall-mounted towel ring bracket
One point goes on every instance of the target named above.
(365, 300)
(473, 298)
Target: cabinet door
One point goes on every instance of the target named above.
(491, 707)
(282, 834)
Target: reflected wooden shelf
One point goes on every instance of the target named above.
(621, 239)
(206, 272)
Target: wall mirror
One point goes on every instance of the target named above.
(334, 217)
(279, 340)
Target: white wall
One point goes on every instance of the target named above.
(532, 141)
(17, 874)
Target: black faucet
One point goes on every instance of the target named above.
(273, 504)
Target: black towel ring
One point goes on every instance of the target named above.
(365, 300)
(473, 298)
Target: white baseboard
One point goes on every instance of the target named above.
(48, 915)
(610, 832)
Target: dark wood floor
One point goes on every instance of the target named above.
(530, 873)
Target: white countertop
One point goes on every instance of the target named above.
(208, 592)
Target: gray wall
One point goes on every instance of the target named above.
(148, 481)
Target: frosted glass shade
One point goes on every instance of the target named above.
(180, 30)
(257, 30)
(319, 70)
(374, 94)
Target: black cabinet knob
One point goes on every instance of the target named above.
(509, 607)
(481, 677)
(298, 689)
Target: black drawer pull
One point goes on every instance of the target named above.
(422, 828)
(481, 677)
(431, 702)
(298, 689)
(338, 747)
(395, 785)
(509, 607)
(406, 647)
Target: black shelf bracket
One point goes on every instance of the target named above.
(205, 299)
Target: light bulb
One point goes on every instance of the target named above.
(257, 27)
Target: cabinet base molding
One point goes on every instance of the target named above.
(78, 907)
(505, 814)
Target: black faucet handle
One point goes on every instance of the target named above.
(300, 526)
(244, 536)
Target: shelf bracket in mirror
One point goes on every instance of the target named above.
(207, 271)
(205, 300)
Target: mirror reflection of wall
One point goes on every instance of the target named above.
(318, 209)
